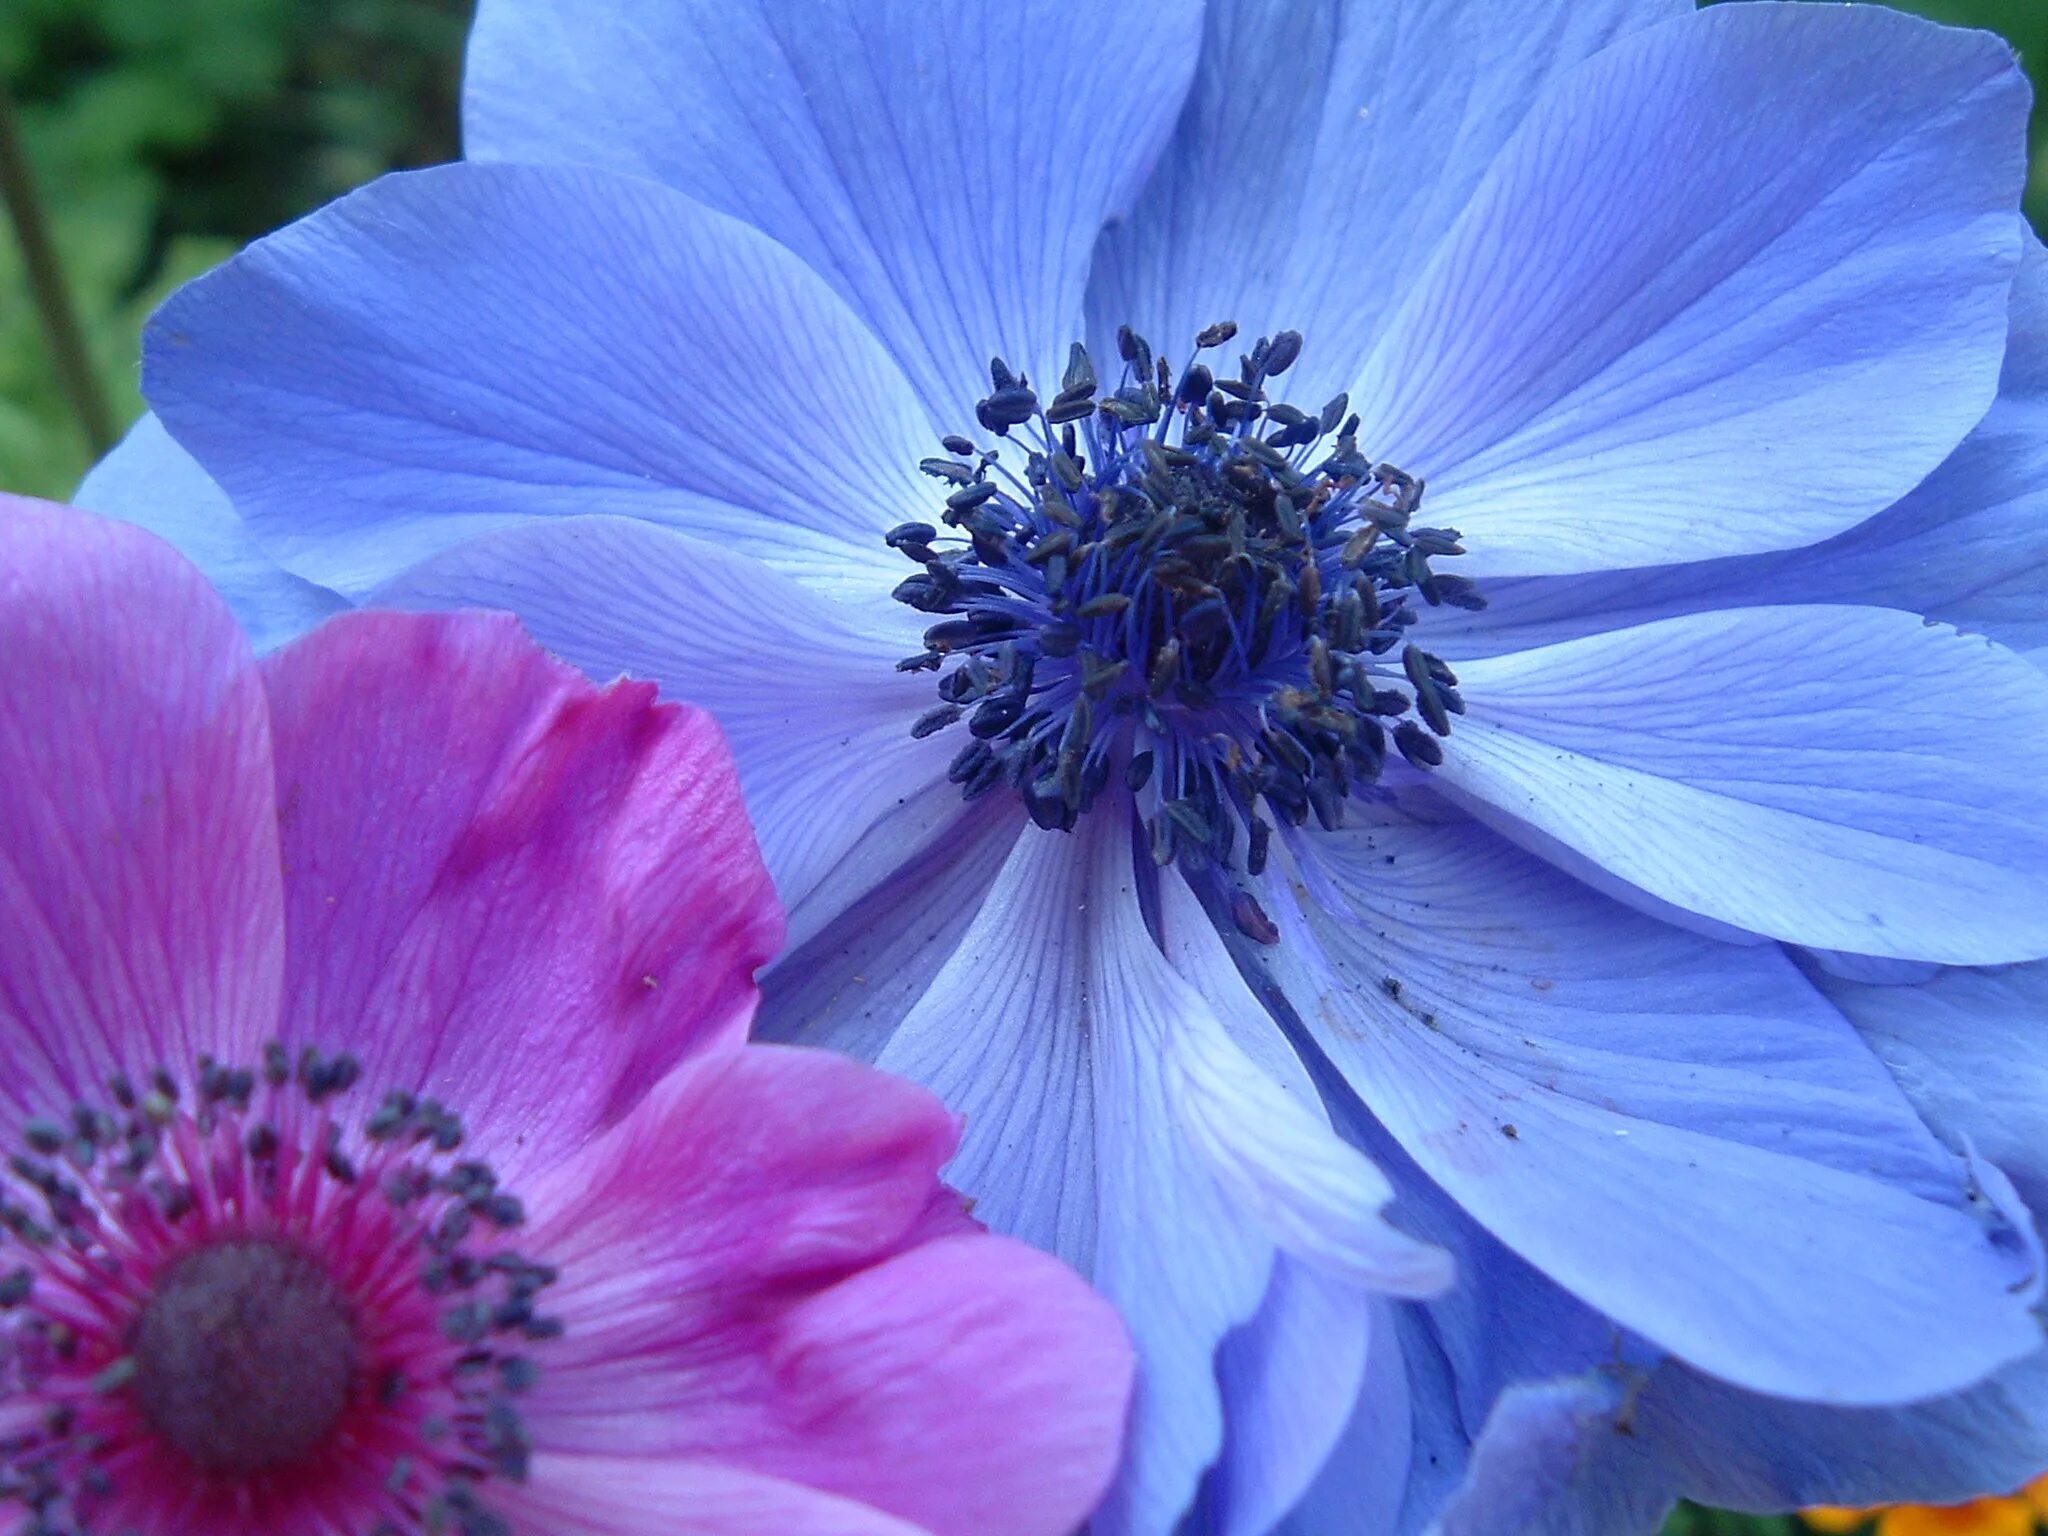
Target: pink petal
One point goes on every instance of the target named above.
(642, 1496)
(975, 1385)
(750, 1274)
(506, 888)
(140, 911)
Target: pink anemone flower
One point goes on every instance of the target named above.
(380, 1152)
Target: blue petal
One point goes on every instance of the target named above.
(1505, 1332)
(1968, 545)
(1324, 151)
(1291, 1377)
(1681, 1134)
(1551, 1461)
(855, 967)
(1084, 1123)
(1401, 1446)
(1732, 1449)
(945, 166)
(1247, 1103)
(1970, 1049)
(1068, 1143)
(150, 481)
(464, 349)
(822, 741)
(1849, 778)
(1736, 284)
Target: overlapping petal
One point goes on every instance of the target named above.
(803, 686)
(1510, 1359)
(945, 167)
(853, 972)
(1404, 1450)
(802, 1312)
(489, 898)
(459, 350)
(1737, 284)
(1681, 1134)
(1083, 1121)
(1740, 1451)
(141, 914)
(150, 481)
(1850, 778)
(1968, 545)
(1970, 1049)
(1248, 1104)
(1551, 1460)
(1292, 1377)
(1324, 150)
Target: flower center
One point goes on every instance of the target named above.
(239, 1304)
(243, 1356)
(1191, 591)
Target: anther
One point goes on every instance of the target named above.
(1205, 598)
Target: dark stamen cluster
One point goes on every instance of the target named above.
(94, 1203)
(1191, 590)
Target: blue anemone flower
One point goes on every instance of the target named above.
(1380, 752)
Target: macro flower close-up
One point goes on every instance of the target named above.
(383, 1149)
(1403, 656)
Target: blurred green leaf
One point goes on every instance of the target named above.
(165, 136)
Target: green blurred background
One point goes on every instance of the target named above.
(162, 134)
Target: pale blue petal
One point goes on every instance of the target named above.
(150, 481)
(1503, 1328)
(823, 743)
(1970, 1049)
(848, 982)
(1068, 1142)
(458, 350)
(1552, 1461)
(1006, 1045)
(1402, 1444)
(1968, 545)
(1849, 778)
(1325, 148)
(1291, 1378)
(1506, 1333)
(1736, 284)
(1245, 1100)
(943, 165)
(1739, 1451)
(1681, 1134)
(1085, 1122)
(1504, 1321)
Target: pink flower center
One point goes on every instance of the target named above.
(238, 1309)
(243, 1356)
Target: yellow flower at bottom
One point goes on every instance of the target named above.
(2036, 1495)
(2012, 1516)
(1979, 1517)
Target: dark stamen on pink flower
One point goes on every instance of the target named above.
(243, 1304)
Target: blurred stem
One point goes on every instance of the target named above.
(46, 282)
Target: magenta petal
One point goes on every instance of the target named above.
(976, 1385)
(522, 894)
(754, 1263)
(646, 1496)
(140, 915)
